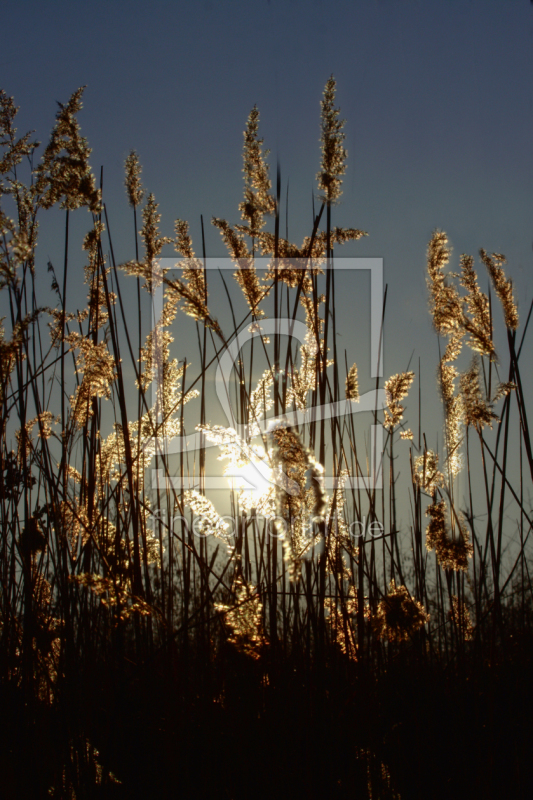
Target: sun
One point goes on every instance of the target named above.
(253, 478)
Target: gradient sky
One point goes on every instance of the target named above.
(437, 98)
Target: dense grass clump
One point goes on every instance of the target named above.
(313, 645)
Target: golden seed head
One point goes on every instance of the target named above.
(426, 472)
(502, 286)
(134, 188)
(477, 409)
(352, 385)
(257, 198)
(454, 551)
(399, 616)
(396, 388)
(67, 176)
(332, 165)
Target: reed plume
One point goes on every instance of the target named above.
(134, 188)
(67, 178)
(399, 616)
(502, 286)
(332, 166)
(452, 552)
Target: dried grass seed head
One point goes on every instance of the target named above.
(426, 472)
(478, 325)
(452, 552)
(352, 385)
(13, 150)
(134, 188)
(396, 388)
(477, 409)
(257, 198)
(502, 286)
(332, 165)
(64, 171)
(399, 616)
(445, 303)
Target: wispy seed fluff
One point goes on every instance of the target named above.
(193, 289)
(396, 388)
(478, 324)
(300, 495)
(445, 304)
(398, 615)
(352, 385)
(502, 287)
(453, 405)
(452, 553)
(426, 472)
(67, 177)
(245, 620)
(477, 410)
(257, 198)
(133, 184)
(332, 166)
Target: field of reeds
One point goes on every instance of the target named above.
(348, 618)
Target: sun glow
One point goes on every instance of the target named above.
(254, 478)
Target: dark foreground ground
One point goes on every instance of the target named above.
(163, 730)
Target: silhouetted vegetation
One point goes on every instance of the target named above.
(147, 646)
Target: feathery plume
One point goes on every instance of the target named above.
(300, 495)
(153, 245)
(14, 150)
(453, 404)
(352, 385)
(339, 619)
(94, 278)
(452, 553)
(502, 286)
(193, 289)
(399, 616)
(97, 365)
(476, 409)
(257, 198)
(134, 188)
(332, 166)
(304, 379)
(502, 390)
(396, 388)
(67, 176)
(245, 618)
(426, 472)
(477, 304)
(445, 303)
(261, 401)
(246, 275)
(153, 242)
(210, 521)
